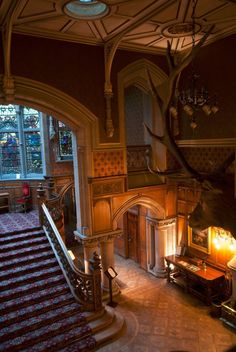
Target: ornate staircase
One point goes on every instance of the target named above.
(38, 311)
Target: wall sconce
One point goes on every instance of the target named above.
(223, 239)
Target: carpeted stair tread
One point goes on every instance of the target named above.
(19, 291)
(37, 321)
(19, 236)
(28, 267)
(35, 297)
(48, 336)
(46, 254)
(23, 243)
(22, 252)
(30, 277)
(37, 308)
(21, 230)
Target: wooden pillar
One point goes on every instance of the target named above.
(107, 260)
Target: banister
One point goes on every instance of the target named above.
(86, 288)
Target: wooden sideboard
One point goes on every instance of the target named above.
(4, 201)
(205, 282)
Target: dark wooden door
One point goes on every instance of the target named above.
(132, 235)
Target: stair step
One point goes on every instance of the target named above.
(34, 298)
(23, 230)
(40, 320)
(28, 267)
(37, 308)
(115, 330)
(48, 336)
(102, 322)
(23, 243)
(42, 255)
(18, 237)
(30, 277)
(18, 292)
(20, 252)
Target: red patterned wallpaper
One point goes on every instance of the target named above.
(108, 163)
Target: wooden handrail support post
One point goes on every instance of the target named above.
(41, 197)
(95, 267)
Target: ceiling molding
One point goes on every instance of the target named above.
(144, 26)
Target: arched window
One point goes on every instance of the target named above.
(21, 151)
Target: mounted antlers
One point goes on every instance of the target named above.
(217, 206)
(168, 89)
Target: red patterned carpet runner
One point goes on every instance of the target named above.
(11, 222)
(37, 309)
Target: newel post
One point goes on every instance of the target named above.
(95, 268)
(41, 197)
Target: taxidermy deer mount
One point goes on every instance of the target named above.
(217, 205)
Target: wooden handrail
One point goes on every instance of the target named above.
(86, 288)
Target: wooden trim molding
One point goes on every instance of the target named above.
(223, 142)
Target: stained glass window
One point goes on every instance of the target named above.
(65, 142)
(20, 142)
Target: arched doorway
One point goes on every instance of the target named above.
(147, 236)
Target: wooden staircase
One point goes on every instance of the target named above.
(37, 309)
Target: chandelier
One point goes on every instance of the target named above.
(195, 97)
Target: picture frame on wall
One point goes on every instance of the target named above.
(200, 240)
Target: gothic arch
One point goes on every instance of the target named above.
(67, 109)
(138, 200)
(57, 103)
(136, 74)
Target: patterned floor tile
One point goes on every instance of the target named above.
(163, 318)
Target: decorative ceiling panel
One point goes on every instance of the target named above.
(113, 22)
(55, 24)
(82, 28)
(167, 14)
(141, 25)
(128, 8)
(34, 8)
(146, 29)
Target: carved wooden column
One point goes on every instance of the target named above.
(160, 268)
(107, 259)
(161, 235)
(166, 240)
(106, 243)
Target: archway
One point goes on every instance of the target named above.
(82, 122)
(148, 236)
(133, 80)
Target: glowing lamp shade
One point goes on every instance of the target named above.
(86, 9)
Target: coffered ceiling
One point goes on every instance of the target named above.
(140, 25)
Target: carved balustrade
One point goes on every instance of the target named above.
(86, 288)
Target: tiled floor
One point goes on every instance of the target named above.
(160, 317)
